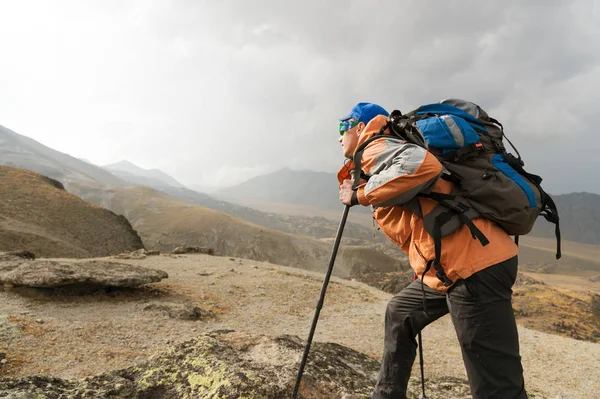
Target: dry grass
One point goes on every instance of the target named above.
(558, 311)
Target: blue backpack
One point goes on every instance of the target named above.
(489, 182)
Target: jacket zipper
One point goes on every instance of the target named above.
(419, 252)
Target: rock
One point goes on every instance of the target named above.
(232, 365)
(52, 274)
(8, 330)
(391, 282)
(193, 250)
(522, 279)
(153, 252)
(24, 254)
(139, 254)
(184, 311)
(39, 321)
(3, 362)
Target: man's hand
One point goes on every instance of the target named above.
(346, 192)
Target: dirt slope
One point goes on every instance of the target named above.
(37, 214)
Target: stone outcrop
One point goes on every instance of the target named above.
(193, 250)
(139, 254)
(183, 311)
(231, 365)
(23, 254)
(18, 272)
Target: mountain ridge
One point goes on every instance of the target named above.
(153, 177)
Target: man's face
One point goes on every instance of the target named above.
(349, 140)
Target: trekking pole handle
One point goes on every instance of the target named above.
(336, 245)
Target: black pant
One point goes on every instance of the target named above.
(481, 311)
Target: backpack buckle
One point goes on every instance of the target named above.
(441, 275)
(444, 279)
(460, 207)
(499, 145)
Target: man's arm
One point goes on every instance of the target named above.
(399, 172)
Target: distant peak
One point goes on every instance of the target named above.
(124, 165)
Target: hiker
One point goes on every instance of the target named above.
(477, 290)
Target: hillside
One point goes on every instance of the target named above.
(165, 222)
(22, 152)
(579, 218)
(80, 177)
(37, 214)
(293, 192)
(306, 187)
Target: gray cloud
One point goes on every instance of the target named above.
(215, 92)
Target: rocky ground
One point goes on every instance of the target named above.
(62, 335)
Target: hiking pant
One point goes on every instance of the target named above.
(483, 318)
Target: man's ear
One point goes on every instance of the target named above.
(361, 127)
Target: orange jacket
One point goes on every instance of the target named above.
(400, 170)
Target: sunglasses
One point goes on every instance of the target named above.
(347, 125)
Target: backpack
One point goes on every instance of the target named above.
(489, 182)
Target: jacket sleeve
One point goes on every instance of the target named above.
(398, 170)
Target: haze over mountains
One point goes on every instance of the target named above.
(262, 199)
(288, 186)
(579, 212)
(22, 152)
(134, 174)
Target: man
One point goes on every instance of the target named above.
(479, 300)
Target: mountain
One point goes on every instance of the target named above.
(579, 218)
(165, 222)
(38, 215)
(204, 188)
(288, 186)
(80, 178)
(144, 177)
(22, 152)
(297, 192)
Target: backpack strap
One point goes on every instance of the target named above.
(357, 157)
(548, 209)
(461, 153)
(454, 210)
(550, 213)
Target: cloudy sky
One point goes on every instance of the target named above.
(215, 92)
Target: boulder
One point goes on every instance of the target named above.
(184, 311)
(193, 250)
(18, 272)
(139, 254)
(24, 254)
(232, 365)
(522, 280)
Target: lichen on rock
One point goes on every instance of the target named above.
(231, 365)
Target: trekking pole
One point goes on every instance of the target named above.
(336, 245)
(423, 396)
